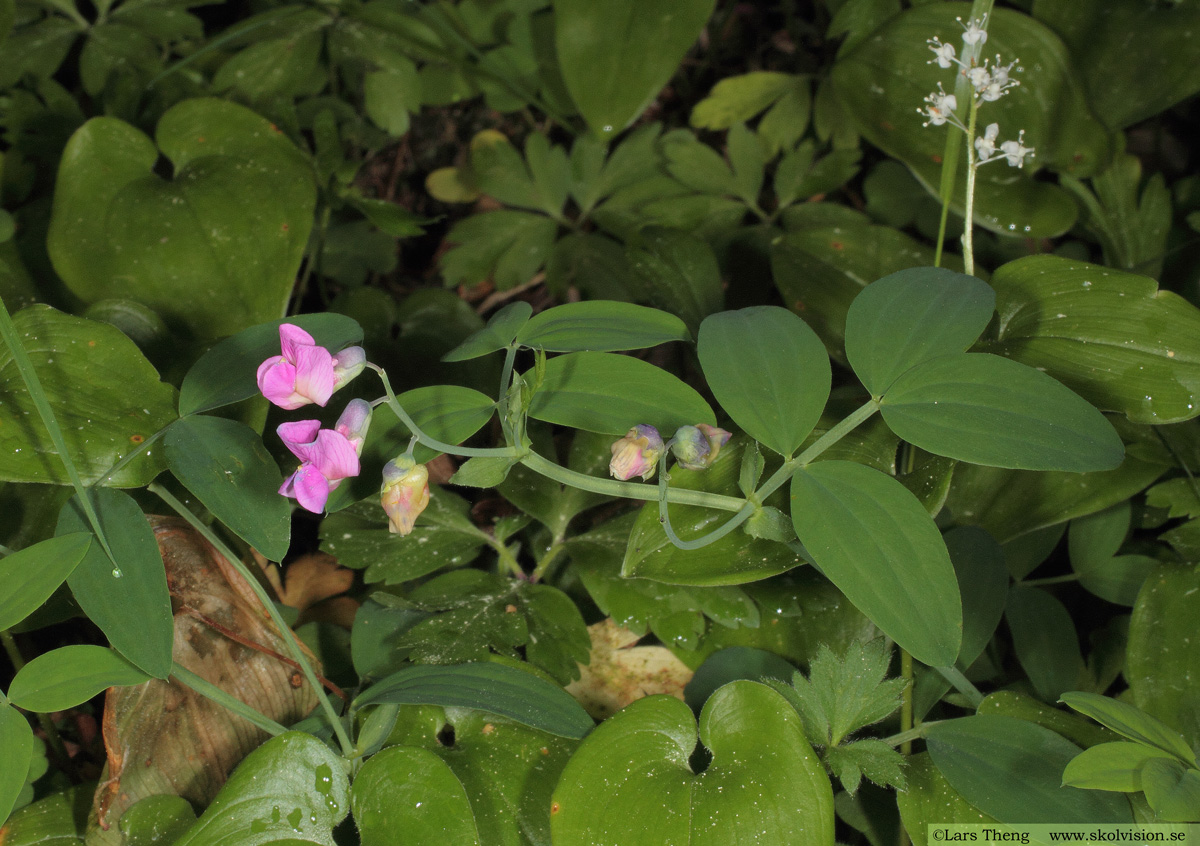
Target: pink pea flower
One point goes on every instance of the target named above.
(404, 494)
(306, 373)
(327, 456)
(636, 454)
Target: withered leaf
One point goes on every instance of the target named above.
(620, 672)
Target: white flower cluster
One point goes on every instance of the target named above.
(989, 81)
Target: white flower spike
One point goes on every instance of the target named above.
(940, 109)
(985, 144)
(975, 32)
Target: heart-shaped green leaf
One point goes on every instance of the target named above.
(985, 409)
(216, 248)
(876, 542)
(911, 316)
(1113, 337)
(32, 574)
(227, 373)
(616, 55)
(769, 370)
(631, 782)
(293, 788)
(126, 597)
(224, 463)
(610, 394)
(601, 326)
(106, 398)
(410, 790)
(68, 676)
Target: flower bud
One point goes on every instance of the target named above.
(347, 364)
(405, 493)
(636, 454)
(354, 422)
(696, 447)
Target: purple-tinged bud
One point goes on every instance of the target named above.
(347, 364)
(404, 494)
(354, 422)
(696, 447)
(636, 454)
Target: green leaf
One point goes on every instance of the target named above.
(291, 788)
(119, 230)
(1178, 496)
(983, 583)
(878, 82)
(844, 693)
(1012, 770)
(127, 599)
(1112, 337)
(985, 409)
(58, 820)
(105, 395)
(494, 688)
(737, 99)
(601, 326)
(483, 471)
(730, 560)
(678, 273)
(769, 371)
(910, 317)
(552, 504)
(1117, 579)
(1129, 721)
(1097, 34)
(16, 745)
(876, 542)
(616, 56)
(929, 798)
(448, 413)
(630, 781)
(1163, 650)
(32, 574)
(736, 663)
(698, 166)
(1045, 641)
(226, 373)
(1111, 766)
(1172, 791)
(501, 330)
(410, 790)
(225, 465)
(872, 758)
(156, 821)
(509, 246)
(70, 675)
(1022, 706)
(610, 394)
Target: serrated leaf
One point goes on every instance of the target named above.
(739, 98)
(507, 246)
(874, 759)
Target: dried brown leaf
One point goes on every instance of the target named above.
(620, 672)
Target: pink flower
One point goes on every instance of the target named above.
(306, 373)
(636, 454)
(327, 456)
(696, 447)
(404, 494)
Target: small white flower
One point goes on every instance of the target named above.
(975, 32)
(1000, 81)
(940, 109)
(979, 78)
(1016, 151)
(985, 144)
(943, 53)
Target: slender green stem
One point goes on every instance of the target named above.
(628, 490)
(229, 701)
(557, 548)
(426, 440)
(962, 684)
(285, 632)
(8, 331)
(831, 437)
(906, 737)
(1049, 580)
(510, 357)
(18, 661)
(968, 237)
(906, 702)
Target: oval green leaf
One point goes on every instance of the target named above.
(224, 463)
(105, 395)
(494, 688)
(498, 334)
(32, 574)
(631, 783)
(227, 372)
(983, 583)
(1045, 641)
(409, 795)
(610, 394)
(157, 820)
(769, 370)
(1171, 790)
(873, 539)
(911, 316)
(16, 749)
(930, 799)
(617, 55)
(1012, 770)
(448, 413)
(1113, 337)
(1111, 766)
(1130, 722)
(292, 788)
(69, 676)
(988, 410)
(129, 601)
(119, 230)
(601, 326)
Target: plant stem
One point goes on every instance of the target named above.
(962, 684)
(906, 702)
(230, 702)
(8, 331)
(285, 632)
(968, 240)
(1049, 580)
(47, 724)
(905, 738)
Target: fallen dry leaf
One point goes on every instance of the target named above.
(161, 737)
(621, 672)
